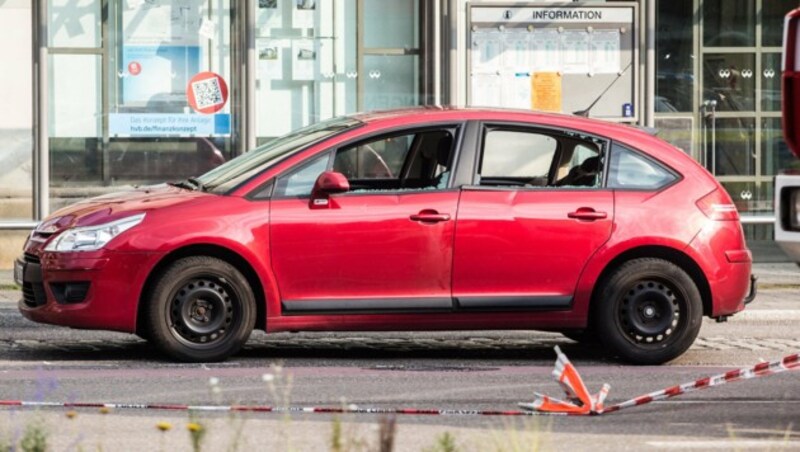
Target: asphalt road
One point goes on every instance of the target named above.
(462, 370)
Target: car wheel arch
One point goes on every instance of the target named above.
(672, 255)
(217, 251)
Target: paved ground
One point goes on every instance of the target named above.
(484, 370)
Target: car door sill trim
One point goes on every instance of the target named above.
(376, 305)
(424, 305)
(548, 302)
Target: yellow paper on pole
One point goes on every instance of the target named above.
(546, 91)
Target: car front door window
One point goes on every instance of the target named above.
(300, 182)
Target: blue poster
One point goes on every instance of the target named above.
(175, 125)
(155, 76)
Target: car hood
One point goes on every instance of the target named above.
(113, 206)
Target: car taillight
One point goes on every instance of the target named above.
(717, 205)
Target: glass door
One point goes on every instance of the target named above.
(169, 90)
(317, 59)
(138, 92)
(739, 105)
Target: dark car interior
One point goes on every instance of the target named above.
(573, 162)
(410, 162)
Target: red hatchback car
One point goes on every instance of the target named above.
(421, 219)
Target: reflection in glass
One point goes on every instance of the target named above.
(729, 23)
(775, 154)
(73, 23)
(677, 131)
(390, 81)
(16, 134)
(391, 24)
(771, 82)
(142, 129)
(156, 134)
(750, 198)
(674, 57)
(730, 146)
(729, 79)
(772, 13)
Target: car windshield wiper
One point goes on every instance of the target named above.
(190, 184)
(198, 185)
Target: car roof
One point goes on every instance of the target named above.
(634, 136)
(450, 113)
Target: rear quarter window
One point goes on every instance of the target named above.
(633, 171)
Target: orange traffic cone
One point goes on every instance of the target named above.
(579, 401)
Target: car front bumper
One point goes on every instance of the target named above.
(98, 290)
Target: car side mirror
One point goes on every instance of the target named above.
(328, 183)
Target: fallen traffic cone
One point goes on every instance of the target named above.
(579, 401)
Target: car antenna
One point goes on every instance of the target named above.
(585, 113)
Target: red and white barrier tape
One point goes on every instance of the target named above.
(268, 409)
(759, 370)
(579, 401)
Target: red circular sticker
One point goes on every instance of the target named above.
(134, 68)
(207, 92)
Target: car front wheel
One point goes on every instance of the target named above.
(650, 311)
(201, 309)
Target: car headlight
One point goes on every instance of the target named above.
(92, 238)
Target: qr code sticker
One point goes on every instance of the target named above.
(207, 93)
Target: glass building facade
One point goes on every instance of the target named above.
(102, 95)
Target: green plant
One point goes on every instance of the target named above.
(279, 386)
(387, 431)
(445, 442)
(34, 439)
(527, 437)
(337, 444)
(236, 424)
(197, 431)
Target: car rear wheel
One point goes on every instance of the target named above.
(201, 309)
(650, 311)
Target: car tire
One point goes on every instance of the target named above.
(201, 309)
(649, 311)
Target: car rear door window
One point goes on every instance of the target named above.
(630, 170)
(511, 156)
(532, 158)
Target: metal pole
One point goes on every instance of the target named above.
(249, 93)
(714, 137)
(703, 157)
(41, 139)
(437, 52)
(651, 64)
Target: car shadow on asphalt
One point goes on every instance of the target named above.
(340, 347)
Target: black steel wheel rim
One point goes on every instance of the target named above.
(201, 311)
(650, 312)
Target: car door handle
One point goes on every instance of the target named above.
(587, 214)
(430, 216)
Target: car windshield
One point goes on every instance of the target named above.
(233, 173)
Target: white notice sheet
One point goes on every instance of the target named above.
(487, 51)
(575, 52)
(545, 45)
(606, 52)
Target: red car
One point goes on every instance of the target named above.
(421, 219)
